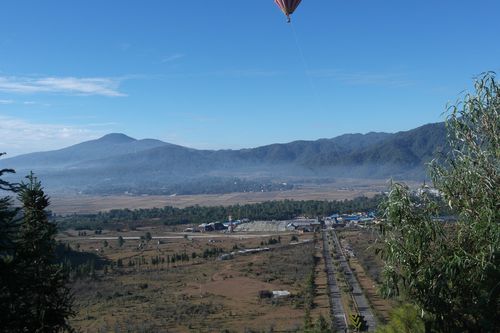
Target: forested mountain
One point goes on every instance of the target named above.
(117, 163)
(108, 146)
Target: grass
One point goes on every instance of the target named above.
(148, 293)
(339, 190)
(199, 295)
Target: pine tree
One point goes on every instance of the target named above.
(7, 224)
(8, 236)
(44, 301)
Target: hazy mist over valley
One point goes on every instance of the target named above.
(118, 164)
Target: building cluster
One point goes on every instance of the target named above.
(299, 224)
(302, 224)
(227, 226)
(349, 220)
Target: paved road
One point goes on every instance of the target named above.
(214, 235)
(336, 309)
(357, 292)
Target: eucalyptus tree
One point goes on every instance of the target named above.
(451, 271)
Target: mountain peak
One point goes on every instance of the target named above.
(116, 138)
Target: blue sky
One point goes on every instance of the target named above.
(232, 74)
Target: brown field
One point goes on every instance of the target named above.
(321, 301)
(347, 189)
(199, 295)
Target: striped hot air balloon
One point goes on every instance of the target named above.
(287, 6)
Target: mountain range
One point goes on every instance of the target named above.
(117, 163)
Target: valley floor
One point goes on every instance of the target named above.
(158, 280)
(347, 189)
(137, 288)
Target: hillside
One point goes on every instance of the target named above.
(108, 146)
(117, 163)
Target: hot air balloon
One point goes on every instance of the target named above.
(287, 6)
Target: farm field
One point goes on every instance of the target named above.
(138, 287)
(346, 189)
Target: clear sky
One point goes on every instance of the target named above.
(232, 74)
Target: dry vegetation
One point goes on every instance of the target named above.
(139, 290)
(321, 301)
(345, 189)
(367, 265)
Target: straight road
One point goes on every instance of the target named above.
(358, 295)
(336, 309)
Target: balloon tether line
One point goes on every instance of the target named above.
(306, 67)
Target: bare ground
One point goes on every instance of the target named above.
(202, 295)
(68, 204)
